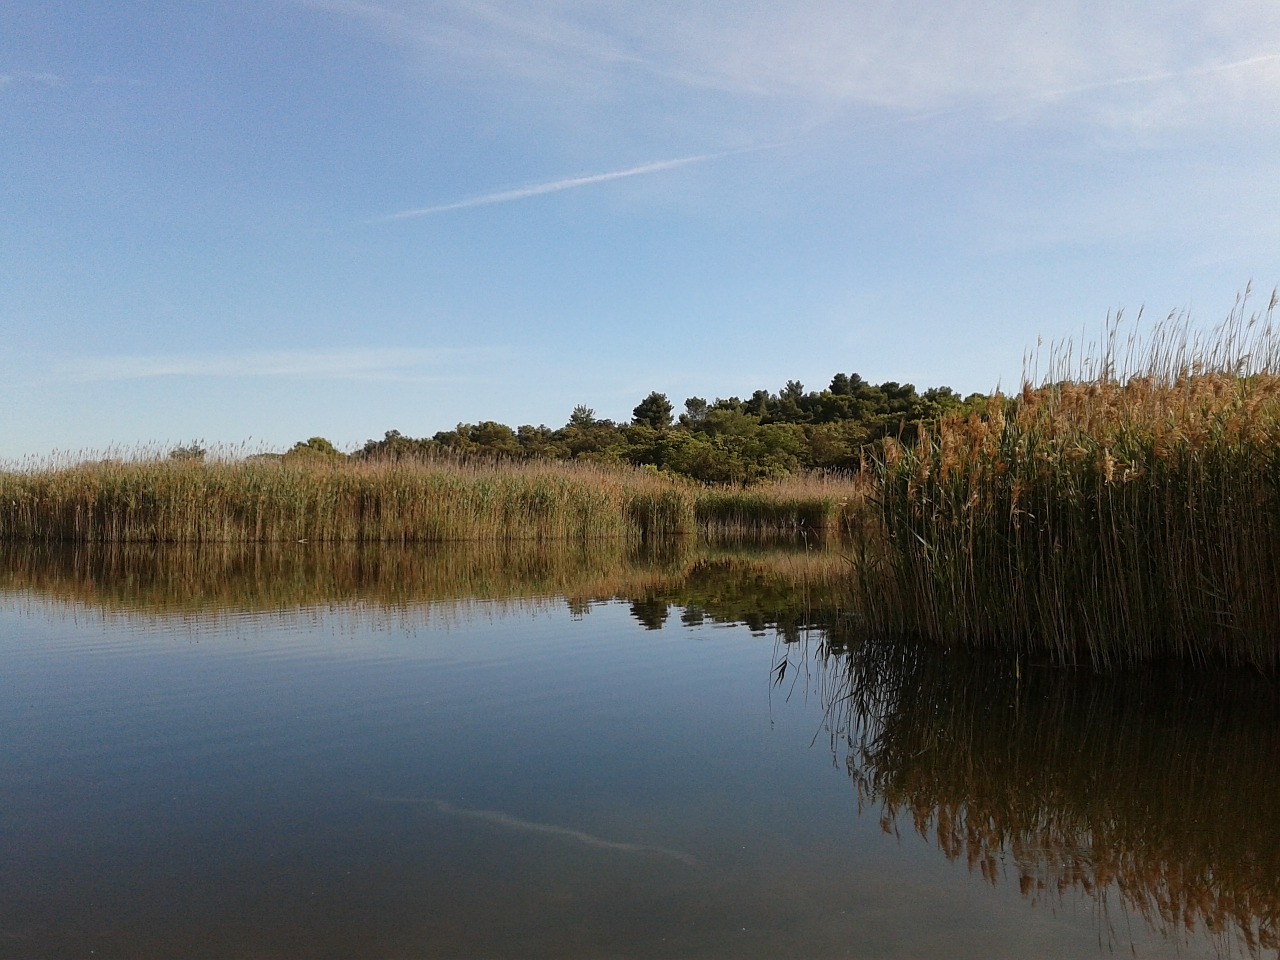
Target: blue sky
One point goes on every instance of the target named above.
(256, 222)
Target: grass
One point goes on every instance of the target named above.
(1125, 510)
(188, 501)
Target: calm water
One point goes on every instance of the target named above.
(536, 753)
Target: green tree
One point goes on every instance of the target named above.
(653, 411)
(193, 451)
(539, 441)
(494, 437)
(834, 446)
(695, 413)
(732, 421)
(395, 446)
(791, 403)
(456, 440)
(760, 404)
(602, 441)
(317, 447)
(831, 407)
(708, 459)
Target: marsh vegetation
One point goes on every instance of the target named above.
(1126, 510)
(188, 500)
(1125, 506)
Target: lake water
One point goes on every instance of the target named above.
(538, 752)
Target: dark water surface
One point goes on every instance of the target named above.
(535, 752)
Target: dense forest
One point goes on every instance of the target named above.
(767, 436)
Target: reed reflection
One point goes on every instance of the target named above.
(1155, 791)
(785, 586)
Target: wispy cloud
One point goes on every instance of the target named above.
(110, 80)
(1164, 75)
(55, 81)
(555, 186)
(913, 56)
(1184, 78)
(38, 79)
(353, 364)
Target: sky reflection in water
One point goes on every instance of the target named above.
(529, 751)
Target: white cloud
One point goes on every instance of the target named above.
(1146, 62)
(354, 364)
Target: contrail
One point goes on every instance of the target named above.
(555, 186)
(1142, 79)
(500, 819)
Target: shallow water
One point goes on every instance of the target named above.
(534, 752)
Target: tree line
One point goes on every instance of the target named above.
(728, 440)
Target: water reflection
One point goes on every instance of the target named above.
(1154, 792)
(783, 586)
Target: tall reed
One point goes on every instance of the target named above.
(814, 506)
(157, 500)
(1130, 514)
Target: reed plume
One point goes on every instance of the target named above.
(1123, 510)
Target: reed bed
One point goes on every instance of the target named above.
(814, 506)
(156, 500)
(185, 501)
(1129, 514)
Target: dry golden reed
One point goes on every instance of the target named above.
(1124, 511)
(164, 500)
